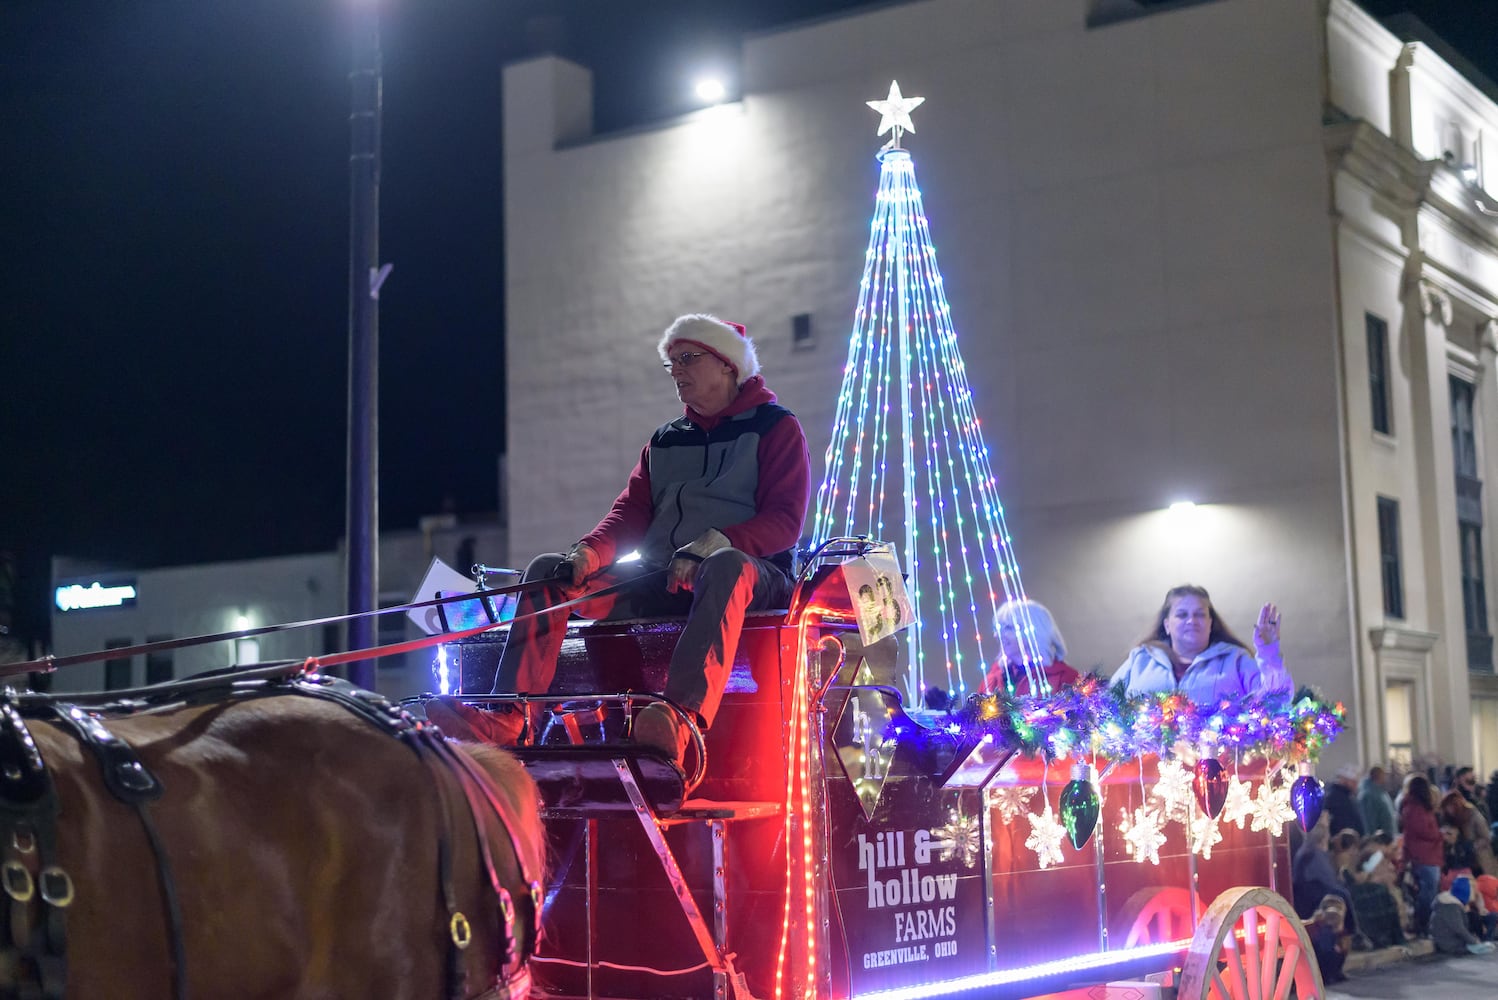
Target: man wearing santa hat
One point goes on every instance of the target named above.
(714, 507)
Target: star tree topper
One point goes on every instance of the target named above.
(894, 113)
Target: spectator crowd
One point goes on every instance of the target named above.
(1390, 860)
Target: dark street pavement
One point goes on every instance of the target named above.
(1435, 978)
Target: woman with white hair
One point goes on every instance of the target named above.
(1030, 647)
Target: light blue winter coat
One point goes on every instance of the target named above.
(1222, 670)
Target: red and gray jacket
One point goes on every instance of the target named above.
(745, 472)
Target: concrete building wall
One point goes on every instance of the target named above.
(180, 602)
(1132, 227)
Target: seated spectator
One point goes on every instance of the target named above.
(1327, 931)
(1190, 650)
(1375, 907)
(1342, 802)
(1487, 891)
(1312, 876)
(1458, 856)
(1021, 660)
(1344, 848)
(1448, 922)
(1473, 827)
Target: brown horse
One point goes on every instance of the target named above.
(308, 854)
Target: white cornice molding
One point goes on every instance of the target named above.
(1363, 27)
(1418, 57)
(1398, 637)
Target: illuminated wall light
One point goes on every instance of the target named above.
(710, 90)
(241, 622)
(1183, 507)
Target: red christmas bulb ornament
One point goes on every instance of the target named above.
(1210, 783)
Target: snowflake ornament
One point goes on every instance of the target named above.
(1240, 802)
(959, 838)
(1010, 800)
(1272, 809)
(1046, 834)
(1144, 832)
(1173, 789)
(1203, 834)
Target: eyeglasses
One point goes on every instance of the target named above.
(685, 359)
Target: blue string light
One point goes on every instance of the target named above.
(907, 462)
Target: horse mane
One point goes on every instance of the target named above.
(513, 784)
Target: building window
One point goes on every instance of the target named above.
(1399, 724)
(802, 335)
(159, 663)
(1378, 372)
(1463, 437)
(118, 672)
(1388, 557)
(1475, 601)
(1469, 525)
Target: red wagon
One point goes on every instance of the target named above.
(833, 844)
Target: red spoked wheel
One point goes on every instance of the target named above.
(1155, 916)
(1250, 945)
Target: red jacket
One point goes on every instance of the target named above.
(1057, 675)
(1422, 834)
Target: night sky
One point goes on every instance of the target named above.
(174, 253)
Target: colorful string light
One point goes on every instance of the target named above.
(907, 459)
(1093, 717)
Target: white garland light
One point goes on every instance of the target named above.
(1239, 805)
(1272, 808)
(1203, 834)
(1145, 834)
(1045, 836)
(1173, 789)
(1010, 800)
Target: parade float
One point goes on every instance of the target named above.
(834, 837)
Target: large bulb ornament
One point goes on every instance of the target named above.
(1306, 795)
(1080, 806)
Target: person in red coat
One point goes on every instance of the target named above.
(1030, 647)
(1424, 849)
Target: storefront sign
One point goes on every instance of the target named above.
(79, 598)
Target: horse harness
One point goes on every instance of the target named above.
(33, 916)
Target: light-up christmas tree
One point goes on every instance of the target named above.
(907, 462)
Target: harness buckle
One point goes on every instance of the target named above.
(461, 931)
(23, 839)
(17, 882)
(57, 887)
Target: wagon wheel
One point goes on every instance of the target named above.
(1250, 946)
(1155, 916)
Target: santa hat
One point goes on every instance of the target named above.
(726, 341)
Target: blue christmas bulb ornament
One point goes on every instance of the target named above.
(1306, 795)
(1079, 806)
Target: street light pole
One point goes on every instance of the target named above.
(362, 520)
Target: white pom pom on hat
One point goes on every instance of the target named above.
(727, 341)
